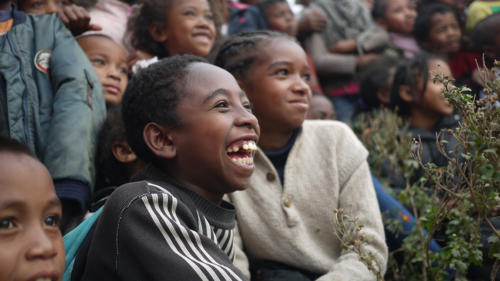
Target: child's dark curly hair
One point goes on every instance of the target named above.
(374, 78)
(152, 95)
(422, 26)
(155, 11)
(238, 53)
(110, 171)
(413, 73)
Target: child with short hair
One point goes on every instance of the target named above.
(437, 30)
(398, 18)
(164, 28)
(31, 243)
(304, 171)
(51, 100)
(192, 125)
(110, 63)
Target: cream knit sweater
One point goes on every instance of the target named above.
(294, 224)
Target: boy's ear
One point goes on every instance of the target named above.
(159, 140)
(122, 152)
(158, 32)
(384, 96)
(406, 95)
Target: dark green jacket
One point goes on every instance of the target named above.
(50, 97)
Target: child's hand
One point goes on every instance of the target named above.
(314, 21)
(344, 46)
(76, 19)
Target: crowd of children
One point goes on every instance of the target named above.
(181, 126)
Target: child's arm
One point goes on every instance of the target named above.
(77, 110)
(77, 19)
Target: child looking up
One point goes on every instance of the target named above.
(31, 243)
(279, 17)
(172, 27)
(398, 18)
(192, 124)
(437, 30)
(303, 171)
(110, 63)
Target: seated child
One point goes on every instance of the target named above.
(320, 108)
(437, 30)
(303, 171)
(398, 18)
(279, 17)
(116, 163)
(192, 125)
(74, 17)
(164, 28)
(55, 104)
(31, 243)
(110, 63)
(424, 104)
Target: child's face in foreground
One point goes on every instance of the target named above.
(42, 6)
(280, 18)
(277, 85)
(190, 28)
(400, 16)
(444, 34)
(217, 138)
(31, 243)
(433, 99)
(321, 109)
(110, 63)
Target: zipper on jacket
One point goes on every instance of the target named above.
(25, 94)
(4, 108)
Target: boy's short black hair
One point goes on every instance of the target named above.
(264, 6)
(379, 7)
(485, 31)
(374, 78)
(13, 146)
(423, 22)
(152, 95)
(110, 171)
(238, 53)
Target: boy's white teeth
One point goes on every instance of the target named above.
(248, 161)
(247, 145)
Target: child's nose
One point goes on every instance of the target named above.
(246, 118)
(42, 244)
(300, 86)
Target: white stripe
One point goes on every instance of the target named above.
(169, 241)
(198, 241)
(230, 242)
(187, 240)
(224, 238)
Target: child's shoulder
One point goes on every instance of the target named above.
(328, 128)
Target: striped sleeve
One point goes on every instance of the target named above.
(163, 238)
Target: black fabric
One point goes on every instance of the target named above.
(279, 157)
(81, 257)
(4, 121)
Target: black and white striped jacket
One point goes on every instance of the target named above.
(156, 230)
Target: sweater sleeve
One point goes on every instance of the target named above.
(358, 199)
(327, 63)
(158, 239)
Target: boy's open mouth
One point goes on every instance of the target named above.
(241, 152)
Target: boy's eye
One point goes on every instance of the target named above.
(63, 3)
(307, 77)
(281, 72)
(98, 62)
(37, 4)
(7, 224)
(248, 106)
(189, 13)
(52, 220)
(221, 104)
(123, 70)
(209, 17)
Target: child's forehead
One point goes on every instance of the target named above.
(94, 42)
